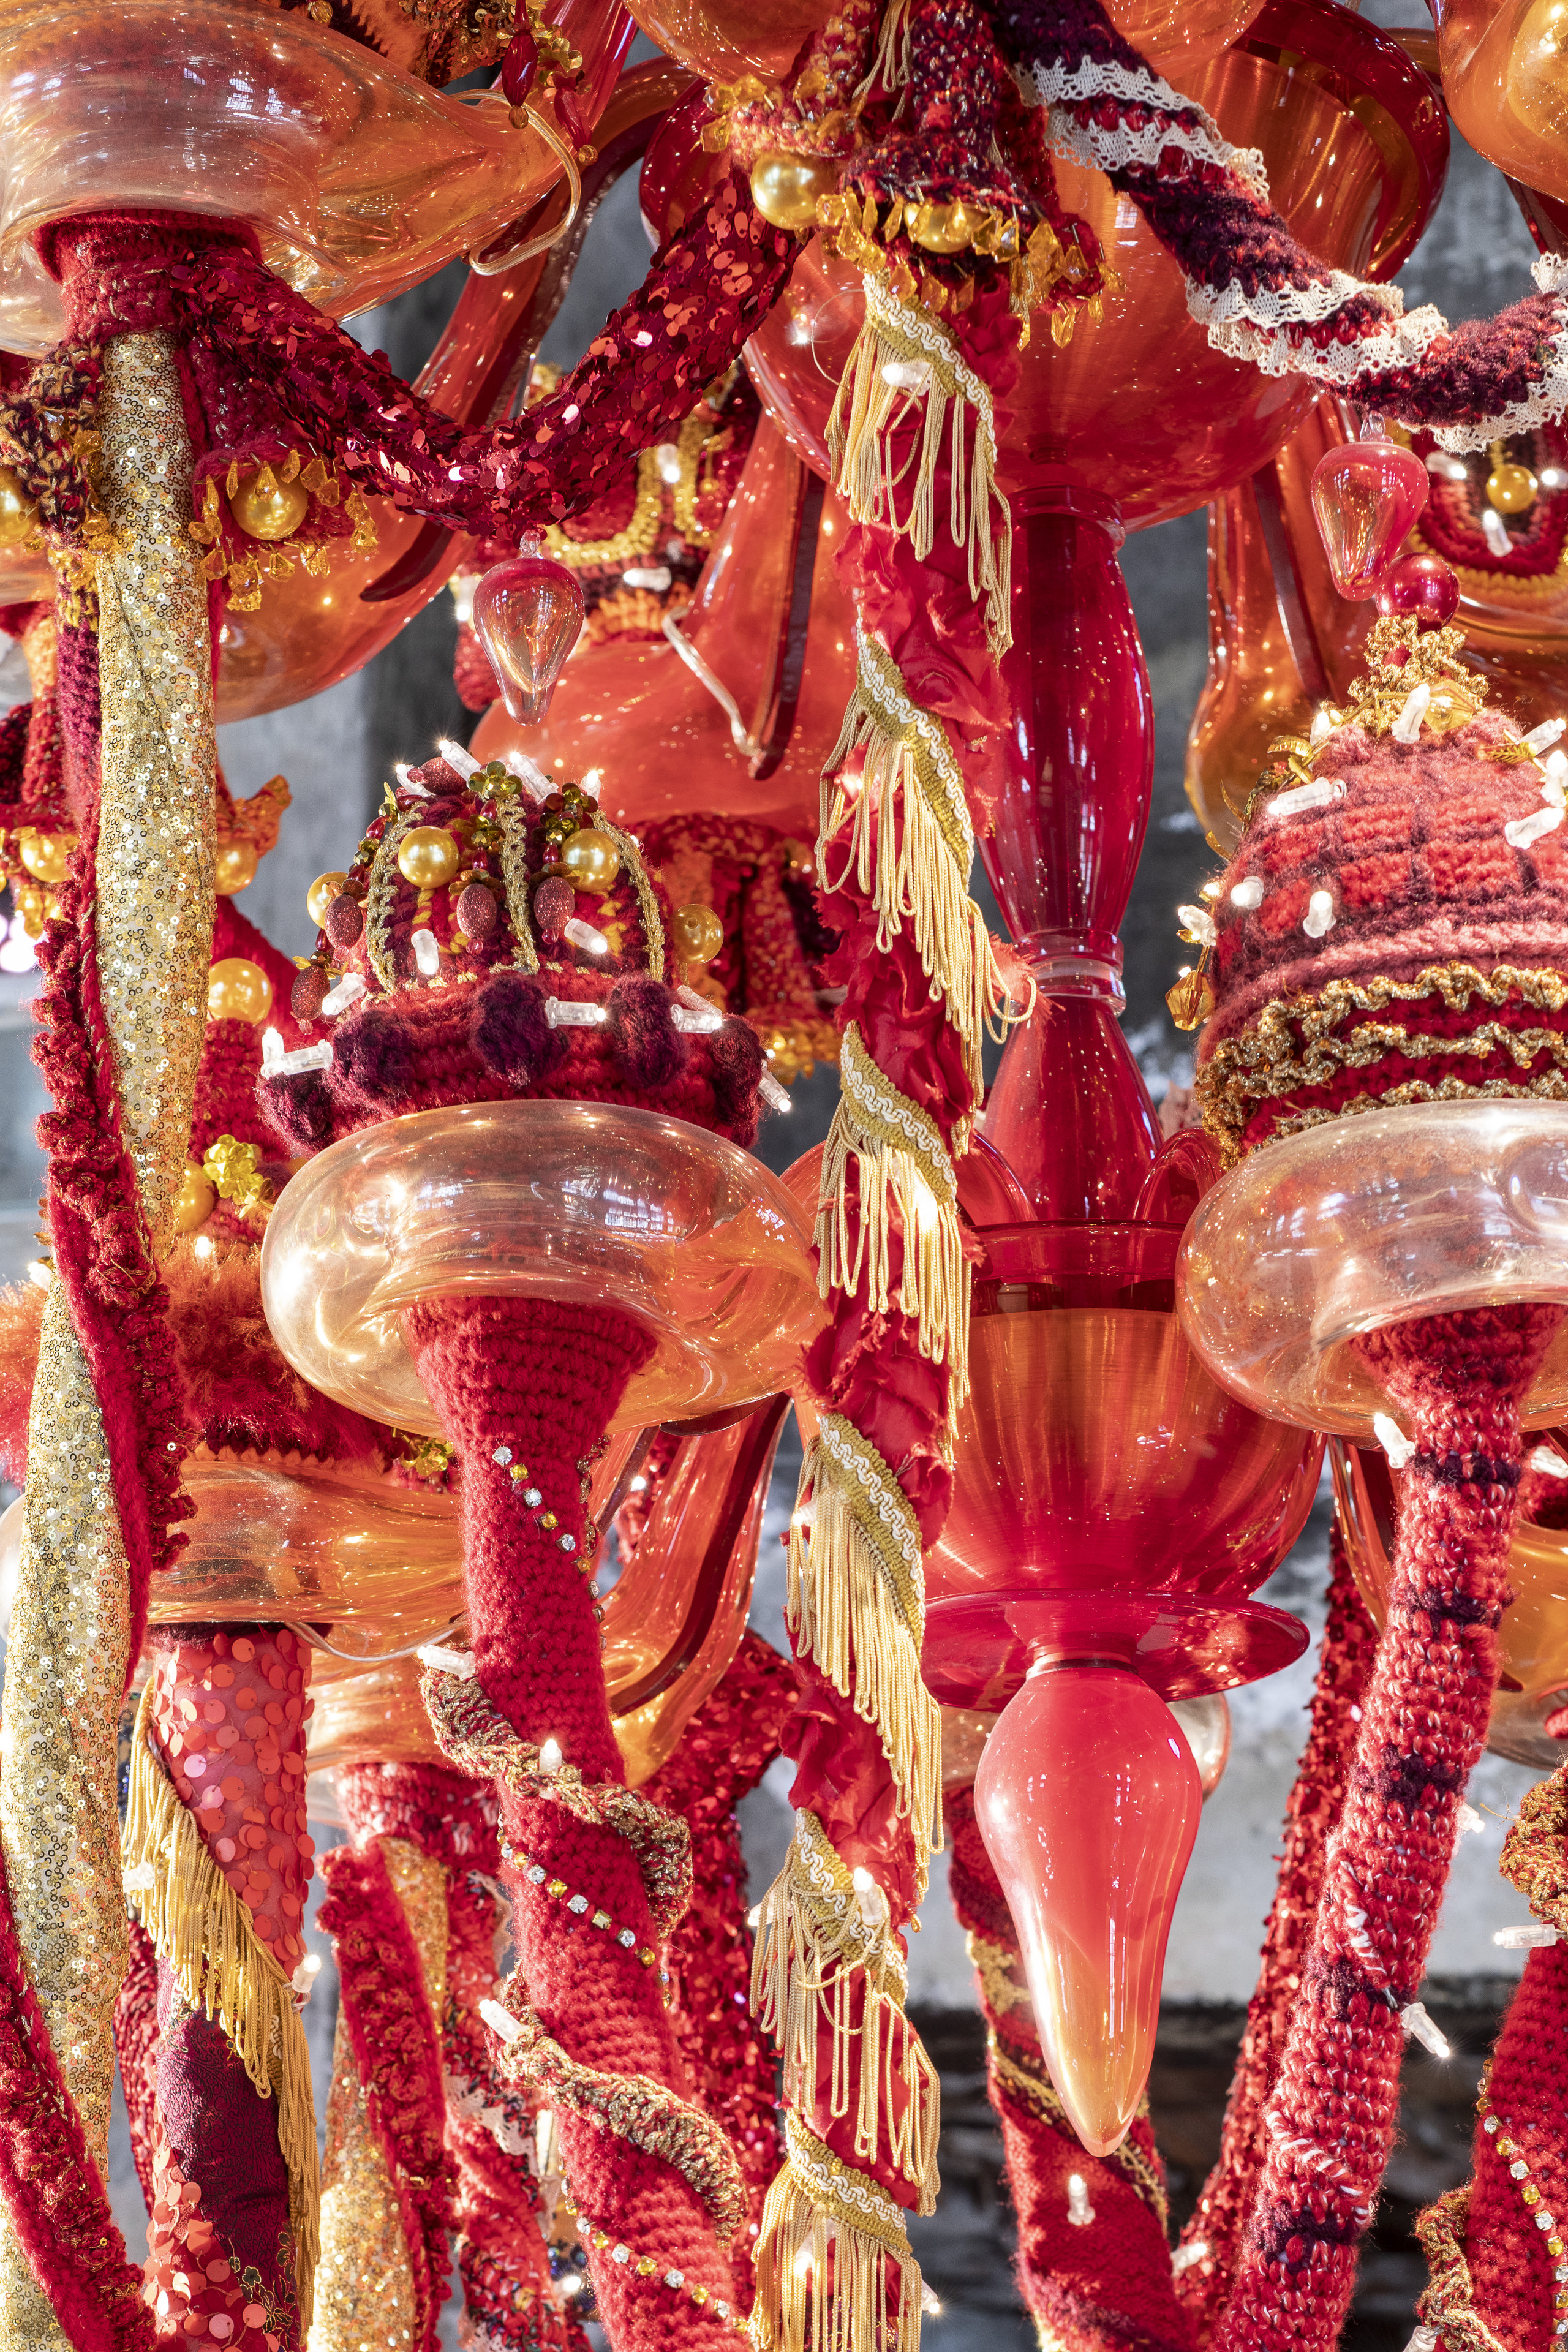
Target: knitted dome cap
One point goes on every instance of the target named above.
(503, 982)
(1394, 926)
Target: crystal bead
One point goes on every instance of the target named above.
(601, 1918)
(533, 1497)
(579, 1904)
(1520, 2170)
(527, 615)
(536, 1876)
(627, 1939)
(502, 1455)
(620, 2253)
(675, 2278)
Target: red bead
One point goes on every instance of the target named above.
(518, 66)
(1423, 588)
(345, 921)
(305, 997)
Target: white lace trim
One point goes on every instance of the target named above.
(1550, 271)
(1058, 88)
(1272, 347)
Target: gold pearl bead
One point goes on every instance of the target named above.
(320, 894)
(944, 228)
(238, 990)
(428, 856)
(236, 864)
(698, 933)
(45, 853)
(265, 508)
(785, 188)
(1512, 489)
(198, 1200)
(589, 859)
(18, 512)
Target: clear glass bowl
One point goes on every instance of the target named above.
(583, 1201)
(1369, 1220)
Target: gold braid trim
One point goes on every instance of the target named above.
(475, 1738)
(648, 903)
(830, 2237)
(202, 1928)
(1536, 1850)
(1021, 2076)
(903, 354)
(856, 1603)
(379, 896)
(910, 806)
(634, 2107)
(820, 1962)
(1293, 1044)
(1447, 2304)
(901, 1164)
(513, 834)
(994, 1965)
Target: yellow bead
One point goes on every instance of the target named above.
(45, 853)
(18, 512)
(236, 864)
(428, 856)
(785, 188)
(196, 1202)
(238, 990)
(265, 508)
(697, 932)
(944, 229)
(320, 894)
(1512, 489)
(589, 859)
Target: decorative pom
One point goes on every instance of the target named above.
(477, 913)
(345, 921)
(555, 904)
(300, 1109)
(737, 1060)
(310, 987)
(648, 1048)
(511, 1031)
(372, 1055)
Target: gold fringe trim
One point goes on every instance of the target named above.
(1293, 1042)
(857, 1605)
(1448, 2302)
(902, 354)
(911, 802)
(202, 1928)
(832, 2243)
(900, 1159)
(817, 1961)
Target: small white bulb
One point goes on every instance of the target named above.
(1407, 728)
(1319, 915)
(1247, 894)
(1199, 924)
(1535, 1937)
(427, 953)
(1522, 830)
(1421, 2027)
(1541, 738)
(1080, 2213)
(456, 756)
(571, 1013)
(1399, 1448)
(582, 935)
(550, 1757)
(776, 1097)
(348, 990)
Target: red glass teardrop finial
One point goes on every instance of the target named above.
(1087, 1799)
(527, 615)
(1366, 496)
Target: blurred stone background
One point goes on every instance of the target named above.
(335, 751)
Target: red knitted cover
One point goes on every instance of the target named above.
(1457, 1381)
(1350, 1644)
(1104, 2286)
(136, 2049)
(1512, 2269)
(543, 1378)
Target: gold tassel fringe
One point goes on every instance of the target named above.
(832, 2243)
(903, 354)
(857, 1605)
(900, 1163)
(202, 1928)
(821, 1962)
(911, 802)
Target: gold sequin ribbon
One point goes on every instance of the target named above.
(70, 1627)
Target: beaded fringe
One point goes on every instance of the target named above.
(202, 1928)
(826, 2264)
(857, 1605)
(818, 1962)
(903, 354)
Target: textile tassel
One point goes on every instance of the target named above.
(826, 1957)
(912, 846)
(857, 1605)
(202, 1928)
(829, 2239)
(902, 355)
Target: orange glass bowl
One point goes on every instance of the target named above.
(1315, 1238)
(584, 1202)
(1505, 79)
(1356, 148)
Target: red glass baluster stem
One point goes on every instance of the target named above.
(543, 1378)
(1457, 1381)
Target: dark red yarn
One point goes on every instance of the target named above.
(1106, 2286)
(1345, 1661)
(1457, 1381)
(136, 2049)
(398, 2051)
(723, 1753)
(543, 1378)
(265, 363)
